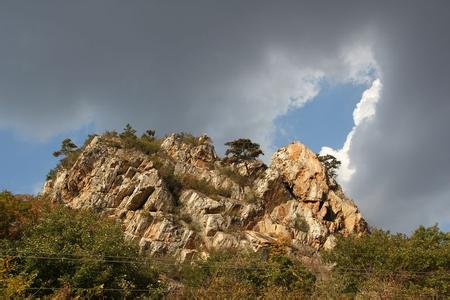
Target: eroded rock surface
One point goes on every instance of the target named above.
(289, 202)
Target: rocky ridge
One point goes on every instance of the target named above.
(185, 201)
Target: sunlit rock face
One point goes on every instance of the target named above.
(221, 206)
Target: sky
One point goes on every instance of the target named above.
(365, 81)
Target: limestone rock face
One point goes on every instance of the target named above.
(202, 203)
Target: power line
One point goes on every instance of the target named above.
(220, 265)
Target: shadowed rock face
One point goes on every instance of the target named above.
(288, 202)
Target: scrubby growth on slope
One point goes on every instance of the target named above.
(383, 265)
(247, 276)
(147, 143)
(47, 250)
(70, 253)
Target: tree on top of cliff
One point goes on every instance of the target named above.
(67, 147)
(242, 150)
(128, 132)
(331, 164)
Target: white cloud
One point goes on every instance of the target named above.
(365, 110)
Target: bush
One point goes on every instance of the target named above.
(235, 176)
(76, 250)
(419, 264)
(189, 139)
(69, 152)
(232, 275)
(249, 197)
(166, 171)
(203, 186)
(300, 224)
(148, 145)
(17, 213)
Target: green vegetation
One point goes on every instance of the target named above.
(250, 197)
(74, 253)
(229, 275)
(188, 138)
(382, 263)
(17, 213)
(147, 143)
(69, 153)
(202, 186)
(49, 251)
(175, 183)
(300, 224)
(331, 165)
(242, 150)
(235, 176)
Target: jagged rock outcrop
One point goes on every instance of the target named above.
(184, 201)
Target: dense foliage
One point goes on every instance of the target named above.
(17, 213)
(147, 143)
(394, 264)
(75, 253)
(331, 165)
(248, 276)
(242, 150)
(52, 251)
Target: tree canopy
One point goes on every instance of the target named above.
(67, 148)
(331, 164)
(242, 150)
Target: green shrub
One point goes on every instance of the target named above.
(203, 186)
(148, 145)
(250, 197)
(235, 176)
(78, 250)
(18, 213)
(249, 275)
(300, 224)
(419, 264)
(173, 183)
(189, 139)
(11, 211)
(69, 153)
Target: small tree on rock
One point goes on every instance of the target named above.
(331, 165)
(67, 147)
(150, 133)
(128, 136)
(69, 152)
(242, 150)
(128, 132)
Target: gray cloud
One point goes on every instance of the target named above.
(401, 157)
(230, 68)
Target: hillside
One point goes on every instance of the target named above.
(127, 217)
(176, 197)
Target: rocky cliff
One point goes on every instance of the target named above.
(183, 200)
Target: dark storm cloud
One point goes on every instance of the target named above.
(402, 156)
(228, 68)
(170, 66)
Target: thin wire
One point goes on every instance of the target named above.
(226, 265)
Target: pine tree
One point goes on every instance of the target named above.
(67, 147)
(242, 150)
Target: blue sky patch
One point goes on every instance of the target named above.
(27, 162)
(324, 121)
